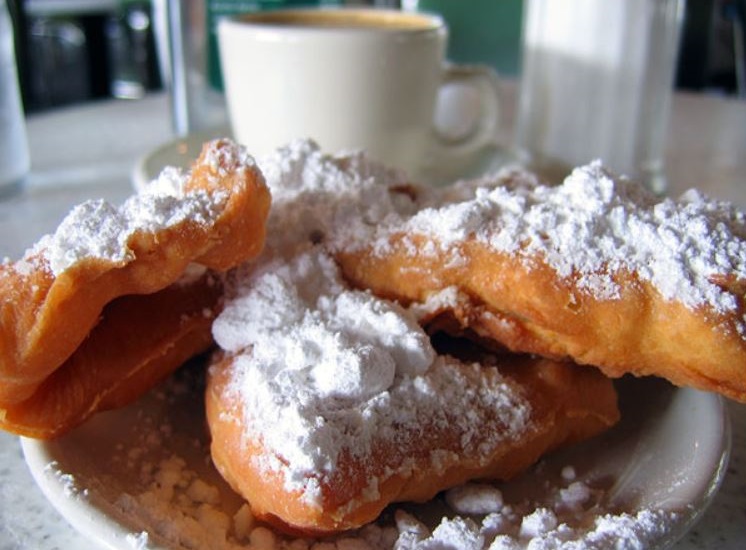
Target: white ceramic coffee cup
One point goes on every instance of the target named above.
(348, 79)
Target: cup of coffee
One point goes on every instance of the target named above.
(349, 78)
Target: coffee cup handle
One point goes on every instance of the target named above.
(467, 113)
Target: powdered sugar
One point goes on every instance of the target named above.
(97, 229)
(327, 370)
(474, 499)
(587, 228)
(311, 310)
(593, 225)
(223, 156)
(552, 523)
(337, 199)
(66, 481)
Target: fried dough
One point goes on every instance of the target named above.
(139, 340)
(327, 404)
(629, 284)
(53, 297)
(594, 269)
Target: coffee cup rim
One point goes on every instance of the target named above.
(272, 19)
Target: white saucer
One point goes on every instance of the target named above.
(181, 152)
(668, 453)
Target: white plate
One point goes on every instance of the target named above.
(669, 453)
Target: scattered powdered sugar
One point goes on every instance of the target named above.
(138, 541)
(98, 229)
(178, 505)
(66, 481)
(557, 522)
(325, 369)
(168, 492)
(475, 498)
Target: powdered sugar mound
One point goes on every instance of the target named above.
(340, 199)
(343, 341)
(538, 524)
(97, 229)
(222, 156)
(170, 181)
(593, 225)
(329, 369)
(92, 229)
(635, 530)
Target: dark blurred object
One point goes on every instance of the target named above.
(78, 50)
(133, 66)
(58, 56)
(65, 51)
(712, 48)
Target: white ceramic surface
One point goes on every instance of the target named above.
(282, 83)
(179, 152)
(182, 151)
(669, 453)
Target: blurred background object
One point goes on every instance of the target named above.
(712, 48)
(711, 58)
(14, 153)
(188, 33)
(130, 40)
(597, 79)
(480, 31)
(71, 51)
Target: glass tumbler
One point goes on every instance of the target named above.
(597, 82)
(14, 153)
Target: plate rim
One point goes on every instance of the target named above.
(98, 519)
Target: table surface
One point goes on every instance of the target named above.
(87, 151)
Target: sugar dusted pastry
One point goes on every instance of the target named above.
(327, 403)
(213, 216)
(593, 269)
(139, 341)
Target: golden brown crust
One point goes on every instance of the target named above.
(137, 343)
(44, 318)
(532, 309)
(568, 404)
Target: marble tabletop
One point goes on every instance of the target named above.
(79, 150)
